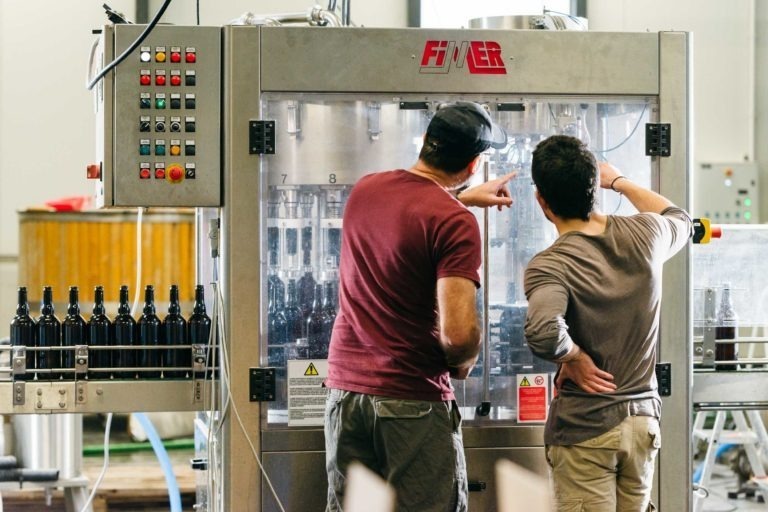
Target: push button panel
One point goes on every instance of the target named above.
(172, 116)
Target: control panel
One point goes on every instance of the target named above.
(727, 193)
(162, 118)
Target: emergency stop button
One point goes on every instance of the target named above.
(174, 173)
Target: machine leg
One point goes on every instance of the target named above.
(75, 498)
(709, 459)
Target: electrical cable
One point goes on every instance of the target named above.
(107, 429)
(109, 67)
(197, 9)
(108, 426)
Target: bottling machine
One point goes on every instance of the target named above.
(285, 120)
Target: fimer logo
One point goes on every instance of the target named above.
(482, 57)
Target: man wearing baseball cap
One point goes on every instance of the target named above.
(407, 320)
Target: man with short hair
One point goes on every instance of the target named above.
(593, 307)
(407, 318)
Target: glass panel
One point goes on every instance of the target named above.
(326, 142)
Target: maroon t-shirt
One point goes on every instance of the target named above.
(402, 232)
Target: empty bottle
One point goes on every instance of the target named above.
(23, 331)
(126, 334)
(277, 330)
(73, 332)
(199, 327)
(48, 336)
(175, 333)
(293, 316)
(727, 323)
(329, 310)
(306, 293)
(149, 335)
(318, 346)
(100, 335)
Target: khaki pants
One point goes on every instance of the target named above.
(609, 473)
(414, 445)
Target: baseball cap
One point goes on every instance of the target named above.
(464, 128)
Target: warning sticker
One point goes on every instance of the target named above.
(532, 397)
(306, 394)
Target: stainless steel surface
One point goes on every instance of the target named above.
(545, 21)
(105, 396)
(50, 441)
(536, 62)
(740, 387)
(673, 477)
(205, 188)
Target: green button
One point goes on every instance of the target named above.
(159, 150)
(144, 149)
(747, 201)
(160, 103)
(747, 215)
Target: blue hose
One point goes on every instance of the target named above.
(174, 494)
(699, 470)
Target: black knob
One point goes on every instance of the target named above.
(144, 126)
(175, 126)
(160, 126)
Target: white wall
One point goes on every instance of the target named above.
(723, 64)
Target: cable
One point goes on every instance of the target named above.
(198, 11)
(107, 429)
(109, 67)
(617, 146)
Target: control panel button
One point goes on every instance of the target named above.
(190, 56)
(189, 78)
(175, 150)
(189, 148)
(160, 103)
(145, 79)
(160, 56)
(175, 57)
(144, 125)
(189, 125)
(144, 148)
(145, 103)
(160, 126)
(189, 102)
(144, 174)
(160, 148)
(175, 126)
(175, 173)
(159, 173)
(175, 80)
(159, 79)
(189, 171)
(175, 101)
(145, 56)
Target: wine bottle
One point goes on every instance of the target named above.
(318, 348)
(100, 335)
(329, 311)
(149, 335)
(73, 332)
(199, 328)
(175, 333)
(727, 323)
(23, 331)
(293, 316)
(277, 330)
(306, 293)
(126, 334)
(48, 336)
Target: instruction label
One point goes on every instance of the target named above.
(306, 394)
(532, 397)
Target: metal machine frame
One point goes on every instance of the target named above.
(259, 60)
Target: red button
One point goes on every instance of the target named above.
(144, 174)
(160, 80)
(190, 57)
(175, 57)
(145, 80)
(175, 80)
(175, 173)
(160, 173)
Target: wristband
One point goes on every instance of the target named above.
(617, 178)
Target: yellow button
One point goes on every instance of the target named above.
(175, 150)
(160, 57)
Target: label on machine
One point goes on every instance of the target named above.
(306, 394)
(532, 397)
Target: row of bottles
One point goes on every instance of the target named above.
(123, 331)
(727, 323)
(300, 327)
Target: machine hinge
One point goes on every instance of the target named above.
(657, 139)
(261, 137)
(262, 384)
(664, 378)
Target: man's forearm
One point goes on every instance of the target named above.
(643, 199)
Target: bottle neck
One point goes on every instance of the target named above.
(174, 308)
(22, 309)
(74, 307)
(199, 308)
(98, 302)
(124, 307)
(47, 308)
